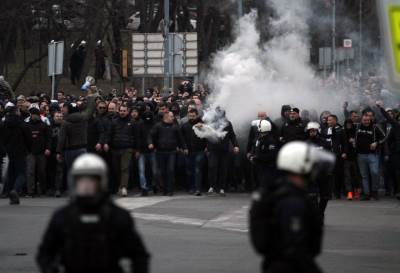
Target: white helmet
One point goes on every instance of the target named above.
(313, 125)
(264, 126)
(89, 165)
(302, 158)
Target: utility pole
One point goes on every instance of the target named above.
(334, 37)
(167, 54)
(360, 43)
(240, 8)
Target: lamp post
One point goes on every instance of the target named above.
(240, 8)
(167, 53)
(360, 43)
(334, 37)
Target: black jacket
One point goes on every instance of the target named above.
(253, 134)
(336, 140)
(223, 144)
(193, 142)
(16, 137)
(265, 150)
(293, 130)
(166, 137)
(365, 136)
(54, 133)
(41, 137)
(73, 132)
(98, 247)
(286, 229)
(124, 134)
(351, 151)
(319, 142)
(96, 133)
(146, 126)
(395, 132)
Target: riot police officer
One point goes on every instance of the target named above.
(91, 233)
(263, 155)
(285, 227)
(319, 191)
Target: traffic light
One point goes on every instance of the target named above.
(389, 17)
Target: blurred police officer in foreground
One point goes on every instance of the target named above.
(91, 234)
(285, 227)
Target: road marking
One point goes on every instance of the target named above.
(233, 221)
(364, 252)
(236, 220)
(132, 203)
(170, 218)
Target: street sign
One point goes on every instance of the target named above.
(325, 57)
(56, 62)
(148, 54)
(56, 58)
(389, 17)
(347, 43)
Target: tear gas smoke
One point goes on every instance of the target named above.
(213, 127)
(247, 76)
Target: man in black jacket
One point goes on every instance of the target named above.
(147, 160)
(166, 139)
(218, 157)
(351, 171)
(17, 141)
(368, 138)
(91, 234)
(72, 140)
(294, 128)
(97, 129)
(124, 141)
(394, 156)
(195, 158)
(334, 137)
(55, 168)
(37, 159)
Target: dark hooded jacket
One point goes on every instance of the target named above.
(96, 133)
(124, 134)
(73, 132)
(395, 132)
(166, 137)
(146, 124)
(16, 137)
(41, 137)
(223, 144)
(193, 142)
(281, 121)
(293, 130)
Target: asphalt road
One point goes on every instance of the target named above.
(188, 234)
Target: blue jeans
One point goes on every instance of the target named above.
(16, 175)
(194, 170)
(166, 170)
(149, 160)
(369, 166)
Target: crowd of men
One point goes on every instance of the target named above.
(149, 141)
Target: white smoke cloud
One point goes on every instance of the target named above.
(248, 77)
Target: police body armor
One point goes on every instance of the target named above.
(88, 242)
(265, 231)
